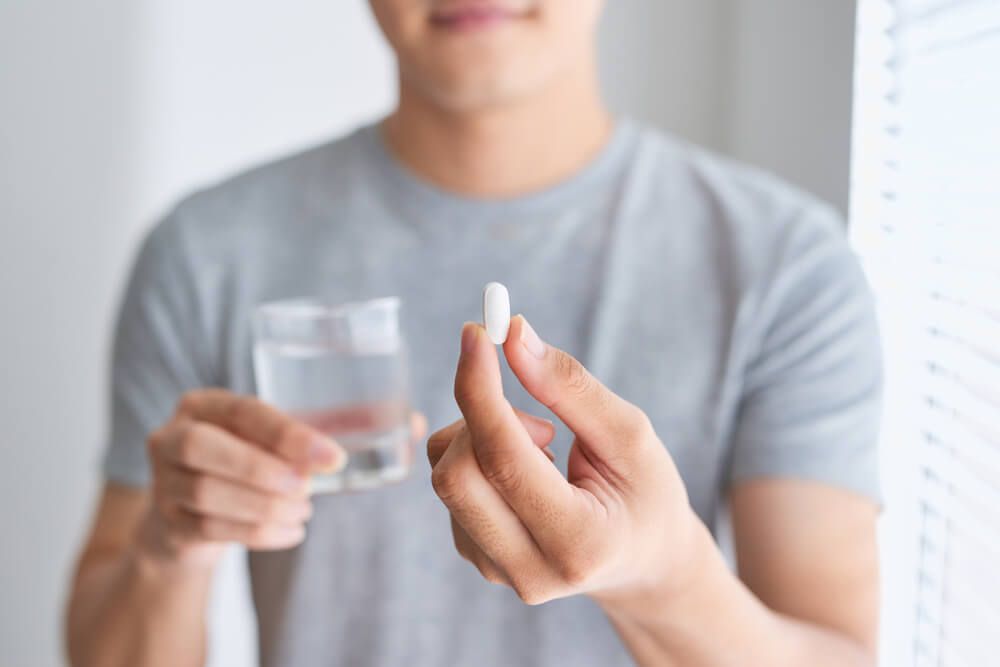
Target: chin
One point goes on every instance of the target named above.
(483, 85)
(480, 94)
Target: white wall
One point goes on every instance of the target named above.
(667, 62)
(789, 91)
(108, 112)
(67, 182)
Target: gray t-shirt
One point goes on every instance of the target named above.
(724, 303)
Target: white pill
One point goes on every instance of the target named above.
(496, 312)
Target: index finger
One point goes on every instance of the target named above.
(265, 426)
(220, 453)
(513, 464)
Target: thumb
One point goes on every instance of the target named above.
(600, 418)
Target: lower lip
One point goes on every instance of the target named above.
(472, 21)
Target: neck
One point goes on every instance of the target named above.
(510, 150)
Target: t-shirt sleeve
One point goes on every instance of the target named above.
(157, 354)
(810, 404)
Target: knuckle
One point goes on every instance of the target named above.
(573, 572)
(495, 577)
(530, 592)
(447, 485)
(187, 449)
(462, 547)
(169, 513)
(190, 442)
(502, 473)
(577, 379)
(200, 492)
(252, 470)
(492, 576)
(465, 392)
(576, 566)
(639, 427)
(206, 527)
(155, 441)
(492, 431)
(239, 408)
(189, 401)
(162, 497)
(489, 571)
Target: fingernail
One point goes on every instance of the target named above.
(323, 454)
(339, 463)
(469, 333)
(541, 420)
(530, 340)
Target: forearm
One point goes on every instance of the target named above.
(717, 621)
(130, 610)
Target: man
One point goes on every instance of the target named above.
(723, 347)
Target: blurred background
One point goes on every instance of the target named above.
(110, 111)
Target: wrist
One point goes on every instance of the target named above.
(694, 617)
(156, 555)
(672, 583)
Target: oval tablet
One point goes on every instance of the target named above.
(496, 312)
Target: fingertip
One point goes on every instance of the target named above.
(292, 536)
(341, 460)
(514, 333)
(470, 337)
(525, 365)
(418, 425)
(276, 537)
(296, 484)
(541, 430)
(477, 377)
(524, 348)
(512, 348)
(325, 454)
(550, 428)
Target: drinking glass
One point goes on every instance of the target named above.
(343, 370)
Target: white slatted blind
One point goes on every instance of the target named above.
(925, 216)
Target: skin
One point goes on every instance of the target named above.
(226, 469)
(495, 112)
(499, 110)
(618, 527)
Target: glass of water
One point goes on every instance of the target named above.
(343, 370)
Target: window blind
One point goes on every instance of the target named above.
(925, 219)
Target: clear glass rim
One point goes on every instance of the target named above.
(308, 308)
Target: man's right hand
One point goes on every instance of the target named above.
(230, 468)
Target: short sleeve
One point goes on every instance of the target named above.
(811, 394)
(157, 353)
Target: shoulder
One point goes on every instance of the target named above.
(753, 219)
(258, 202)
(744, 197)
